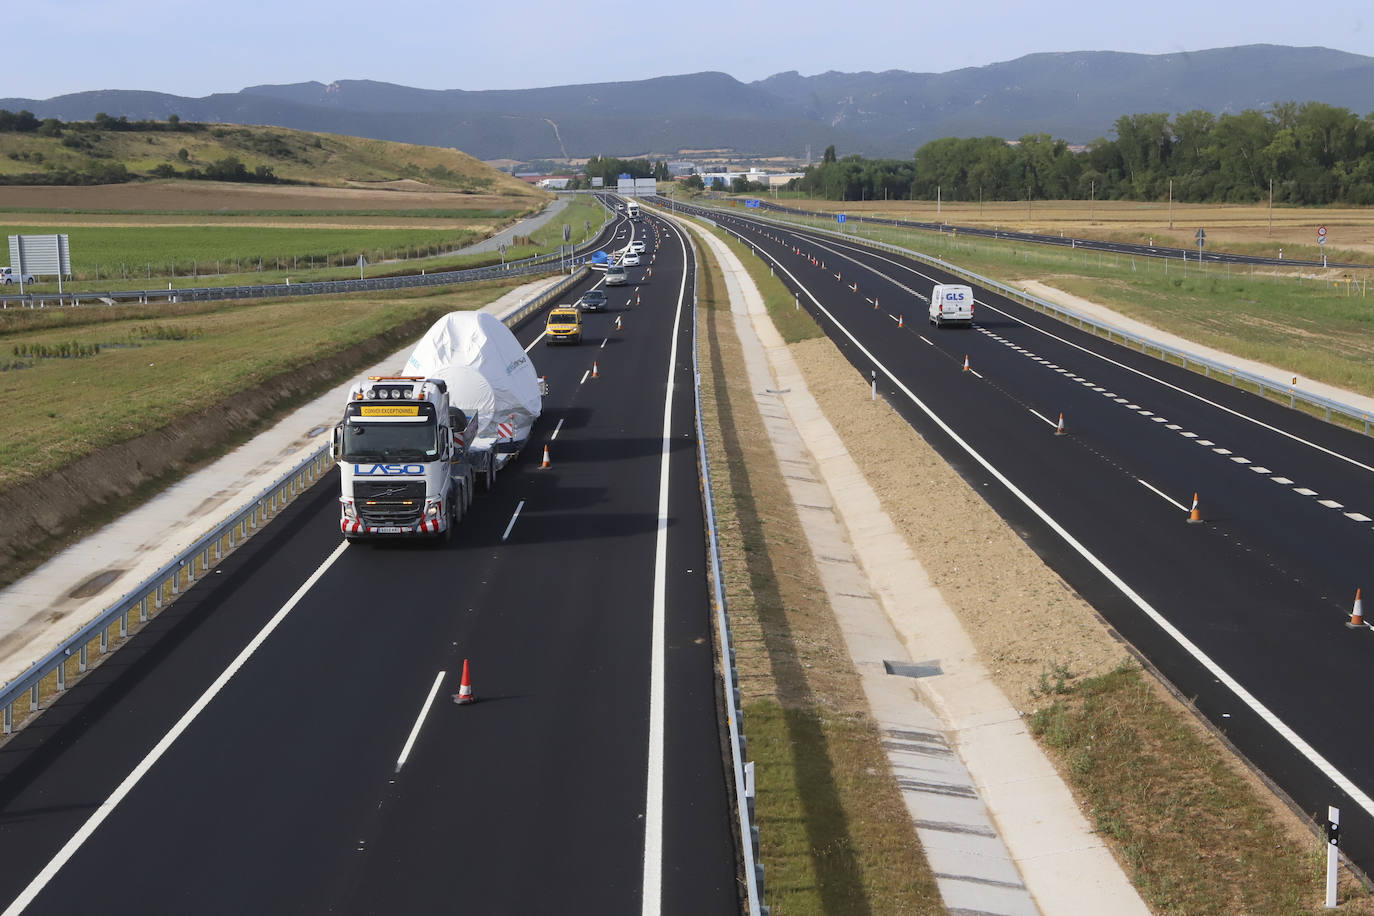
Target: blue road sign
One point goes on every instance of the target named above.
(839, 217)
(751, 203)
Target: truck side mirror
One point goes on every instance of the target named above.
(336, 445)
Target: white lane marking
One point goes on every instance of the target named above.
(1189, 435)
(1147, 413)
(976, 372)
(1222, 451)
(923, 337)
(584, 376)
(1159, 420)
(1356, 794)
(652, 893)
(1282, 480)
(1159, 492)
(895, 318)
(1175, 427)
(1358, 517)
(518, 507)
(603, 343)
(1260, 470)
(556, 429)
(1204, 442)
(108, 806)
(420, 720)
(1330, 504)
(1303, 491)
(1239, 460)
(1043, 417)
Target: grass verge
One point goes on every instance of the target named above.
(1194, 835)
(835, 836)
(793, 323)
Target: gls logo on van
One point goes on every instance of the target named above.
(955, 296)
(370, 470)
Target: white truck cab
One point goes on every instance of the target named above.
(951, 303)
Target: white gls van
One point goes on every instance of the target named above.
(951, 304)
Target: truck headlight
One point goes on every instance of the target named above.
(432, 507)
(348, 511)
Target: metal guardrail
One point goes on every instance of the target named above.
(1266, 386)
(543, 263)
(163, 586)
(743, 772)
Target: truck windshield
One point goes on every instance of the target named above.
(390, 441)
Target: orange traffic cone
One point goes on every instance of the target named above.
(1058, 430)
(967, 368)
(617, 323)
(594, 375)
(899, 322)
(1357, 615)
(546, 463)
(1194, 516)
(875, 303)
(464, 694)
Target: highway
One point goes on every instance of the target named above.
(1194, 254)
(284, 738)
(1244, 614)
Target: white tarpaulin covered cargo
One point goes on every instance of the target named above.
(486, 369)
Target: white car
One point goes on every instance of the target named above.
(8, 275)
(630, 260)
(637, 247)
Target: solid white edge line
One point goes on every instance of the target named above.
(556, 429)
(1165, 496)
(108, 806)
(652, 895)
(420, 720)
(1356, 794)
(518, 507)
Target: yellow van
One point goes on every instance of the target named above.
(564, 325)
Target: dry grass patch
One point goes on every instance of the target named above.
(835, 834)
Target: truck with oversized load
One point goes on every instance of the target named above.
(410, 447)
(401, 448)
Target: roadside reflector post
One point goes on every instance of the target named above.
(1333, 843)
(796, 301)
(875, 385)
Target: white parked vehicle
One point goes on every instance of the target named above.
(951, 303)
(9, 275)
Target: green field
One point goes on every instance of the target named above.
(134, 257)
(137, 253)
(157, 363)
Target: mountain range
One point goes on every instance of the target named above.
(1076, 96)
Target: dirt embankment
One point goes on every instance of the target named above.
(44, 515)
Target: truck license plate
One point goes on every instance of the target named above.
(389, 530)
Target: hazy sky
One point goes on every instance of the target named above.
(196, 48)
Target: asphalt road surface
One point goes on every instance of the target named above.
(1245, 613)
(284, 738)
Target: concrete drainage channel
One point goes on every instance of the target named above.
(56, 671)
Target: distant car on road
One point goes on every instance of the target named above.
(637, 247)
(616, 276)
(9, 275)
(593, 300)
(630, 260)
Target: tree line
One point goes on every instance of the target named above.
(1313, 153)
